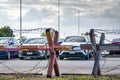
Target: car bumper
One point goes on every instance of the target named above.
(73, 54)
(32, 54)
(4, 54)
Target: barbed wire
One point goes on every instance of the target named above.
(36, 30)
(26, 71)
(35, 66)
(105, 39)
(105, 60)
(108, 31)
(42, 68)
(45, 67)
(9, 67)
(114, 68)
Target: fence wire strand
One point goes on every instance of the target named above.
(99, 31)
(26, 71)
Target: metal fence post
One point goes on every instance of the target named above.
(56, 69)
(52, 61)
(102, 38)
(96, 68)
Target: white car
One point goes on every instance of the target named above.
(115, 41)
(34, 54)
(76, 52)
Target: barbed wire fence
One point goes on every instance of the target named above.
(116, 67)
(36, 68)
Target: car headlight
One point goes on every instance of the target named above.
(76, 48)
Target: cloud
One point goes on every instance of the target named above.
(42, 13)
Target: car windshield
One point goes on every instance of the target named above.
(75, 39)
(3, 40)
(7, 40)
(35, 41)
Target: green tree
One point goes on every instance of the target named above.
(23, 37)
(6, 31)
(87, 34)
(43, 34)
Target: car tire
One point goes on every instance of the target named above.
(45, 57)
(111, 53)
(61, 58)
(21, 58)
(8, 55)
(87, 57)
(90, 55)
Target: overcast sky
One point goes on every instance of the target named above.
(95, 14)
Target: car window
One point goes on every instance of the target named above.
(8, 40)
(35, 41)
(116, 41)
(75, 39)
(3, 41)
(13, 41)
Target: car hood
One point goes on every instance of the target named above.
(32, 44)
(73, 43)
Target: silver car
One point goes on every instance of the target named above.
(34, 54)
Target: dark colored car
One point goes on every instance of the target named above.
(8, 42)
(115, 41)
(34, 54)
(60, 41)
(76, 52)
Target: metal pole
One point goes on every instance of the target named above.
(20, 18)
(53, 60)
(78, 22)
(96, 68)
(59, 16)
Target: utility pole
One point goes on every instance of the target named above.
(20, 18)
(59, 16)
(78, 22)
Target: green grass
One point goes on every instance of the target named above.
(61, 78)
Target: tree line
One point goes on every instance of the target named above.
(6, 31)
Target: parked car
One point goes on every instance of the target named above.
(76, 52)
(34, 54)
(115, 41)
(8, 42)
(60, 41)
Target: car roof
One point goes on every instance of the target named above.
(116, 40)
(75, 36)
(6, 37)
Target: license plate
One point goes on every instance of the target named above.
(72, 52)
(29, 53)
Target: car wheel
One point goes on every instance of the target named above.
(21, 58)
(8, 55)
(87, 57)
(111, 53)
(45, 57)
(90, 55)
(61, 58)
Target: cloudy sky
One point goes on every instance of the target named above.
(95, 14)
